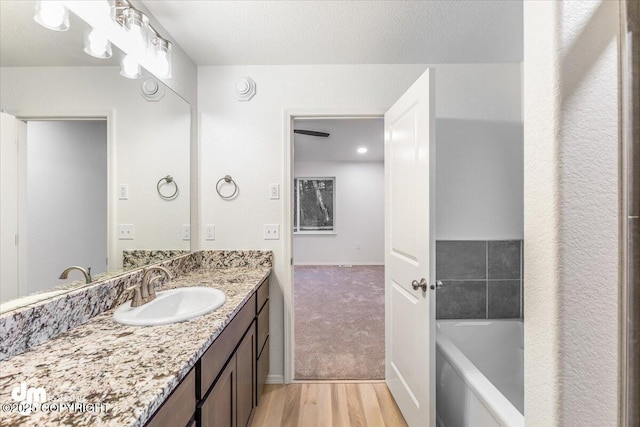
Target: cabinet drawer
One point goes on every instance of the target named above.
(178, 409)
(222, 348)
(263, 371)
(263, 327)
(263, 294)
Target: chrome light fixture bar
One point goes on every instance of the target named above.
(112, 22)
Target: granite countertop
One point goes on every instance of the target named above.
(119, 375)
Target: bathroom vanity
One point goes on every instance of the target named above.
(225, 385)
(208, 371)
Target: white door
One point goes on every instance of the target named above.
(410, 251)
(8, 207)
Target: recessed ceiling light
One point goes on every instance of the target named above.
(362, 150)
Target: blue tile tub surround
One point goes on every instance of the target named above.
(482, 279)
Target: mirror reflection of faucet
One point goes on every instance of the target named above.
(87, 273)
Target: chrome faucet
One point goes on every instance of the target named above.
(146, 291)
(87, 273)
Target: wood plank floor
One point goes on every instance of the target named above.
(327, 404)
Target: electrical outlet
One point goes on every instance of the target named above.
(210, 232)
(125, 232)
(123, 192)
(186, 232)
(271, 231)
(274, 191)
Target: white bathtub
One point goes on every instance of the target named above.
(480, 373)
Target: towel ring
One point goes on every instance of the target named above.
(169, 180)
(228, 180)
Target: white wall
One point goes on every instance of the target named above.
(152, 139)
(245, 139)
(359, 215)
(571, 239)
(479, 157)
(66, 199)
(479, 179)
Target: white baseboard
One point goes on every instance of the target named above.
(339, 263)
(275, 379)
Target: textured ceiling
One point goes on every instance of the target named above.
(346, 135)
(24, 43)
(344, 32)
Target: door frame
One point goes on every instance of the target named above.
(289, 114)
(71, 114)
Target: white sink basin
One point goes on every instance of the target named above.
(171, 306)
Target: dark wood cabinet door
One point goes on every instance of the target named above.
(179, 408)
(263, 371)
(246, 366)
(219, 407)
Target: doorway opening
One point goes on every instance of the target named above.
(61, 163)
(338, 248)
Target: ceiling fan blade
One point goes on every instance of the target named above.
(311, 132)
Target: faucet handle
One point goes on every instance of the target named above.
(151, 287)
(137, 298)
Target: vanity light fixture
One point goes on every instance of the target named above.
(114, 22)
(362, 150)
(145, 43)
(52, 14)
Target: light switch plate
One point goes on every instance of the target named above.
(123, 192)
(271, 231)
(186, 232)
(210, 232)
(274, 191)
(125, 232)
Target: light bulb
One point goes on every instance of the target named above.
(97, 44)
(137, 37)
(162, 57)
(136, 24)
(98, 13)
(130, 67)
(52, 15)
(362, 150)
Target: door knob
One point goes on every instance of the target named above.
(418, 285)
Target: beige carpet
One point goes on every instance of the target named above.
(339, 322)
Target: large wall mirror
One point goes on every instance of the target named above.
(94, 172)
